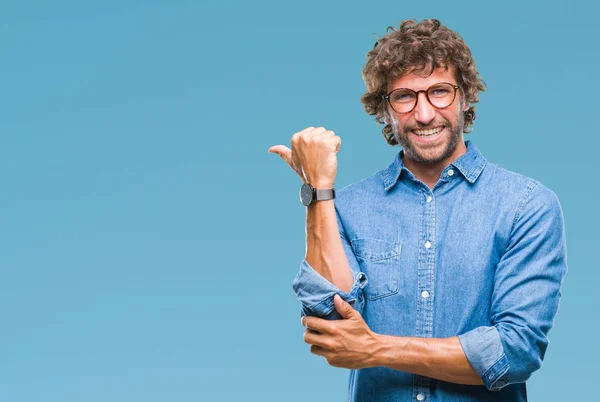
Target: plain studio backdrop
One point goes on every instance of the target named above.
(148, 241)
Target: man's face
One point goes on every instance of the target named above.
(427, 134)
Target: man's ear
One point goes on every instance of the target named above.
(466, 107)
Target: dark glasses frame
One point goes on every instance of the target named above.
(426, 91)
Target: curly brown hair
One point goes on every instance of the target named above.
(418, 47)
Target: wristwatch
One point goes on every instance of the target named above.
(309, 195)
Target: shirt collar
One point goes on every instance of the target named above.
(470, 165)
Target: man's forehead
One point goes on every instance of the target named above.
(421, 78)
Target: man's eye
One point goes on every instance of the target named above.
(440, 91)
(403, 97)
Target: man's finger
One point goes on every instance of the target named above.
(284, 152)
(318, 131)
(317, 350)
(338, 144)
(343, 307)
(318, 324)
(314, 338)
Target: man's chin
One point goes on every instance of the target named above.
(426, 159)
(430, 154)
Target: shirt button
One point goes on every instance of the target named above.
(429, 198)
(420, 397)
(501, 382)
(450, 172)
(424, 294)
(427, 244)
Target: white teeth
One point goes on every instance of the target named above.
(429, 132)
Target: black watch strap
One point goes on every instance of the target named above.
(326, 194)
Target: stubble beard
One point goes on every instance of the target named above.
(412, 152)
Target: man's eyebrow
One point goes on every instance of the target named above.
(417, 90)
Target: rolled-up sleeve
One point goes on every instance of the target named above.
(526, 294)
(315, 293)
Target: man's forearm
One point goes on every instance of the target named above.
(324, 250)
(442, 359)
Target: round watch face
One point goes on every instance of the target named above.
(306, 194)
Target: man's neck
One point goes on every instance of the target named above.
(429, 173)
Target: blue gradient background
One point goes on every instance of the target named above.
(148, 240)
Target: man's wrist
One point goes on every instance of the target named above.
(380, 351)
(322, 203)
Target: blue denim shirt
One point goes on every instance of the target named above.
(480, 256)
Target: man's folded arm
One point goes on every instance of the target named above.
(526, 294)
(329, 267)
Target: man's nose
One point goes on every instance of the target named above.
(424, 111)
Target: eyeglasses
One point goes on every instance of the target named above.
(404, 100)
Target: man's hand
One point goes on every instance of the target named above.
(347, 343)
(313, 156)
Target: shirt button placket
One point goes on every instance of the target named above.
(425, 282)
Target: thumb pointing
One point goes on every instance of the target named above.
(283, 151)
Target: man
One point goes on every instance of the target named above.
(438, 278)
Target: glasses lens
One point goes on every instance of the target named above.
(402, 100)
(441, 95)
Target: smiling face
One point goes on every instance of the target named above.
(429, 135)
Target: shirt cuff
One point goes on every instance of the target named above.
(485, 353)
(316, 293)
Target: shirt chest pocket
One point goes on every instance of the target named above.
(380, 260)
